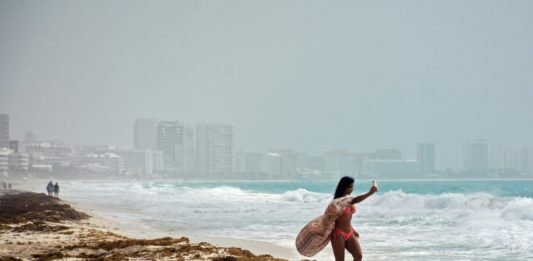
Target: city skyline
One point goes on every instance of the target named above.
(354, 75)
(480, 157)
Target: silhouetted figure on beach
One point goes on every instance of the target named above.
(50, 188)
(9, 186)
(4, 185)
(56, 190)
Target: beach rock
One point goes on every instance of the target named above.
(35, 207)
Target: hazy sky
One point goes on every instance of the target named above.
(306, 75)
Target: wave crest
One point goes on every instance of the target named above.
(482, 205)
(303, 196)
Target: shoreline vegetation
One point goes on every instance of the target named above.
(34, 226)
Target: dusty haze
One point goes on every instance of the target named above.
(306, 75)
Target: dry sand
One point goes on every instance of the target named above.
(34, 226)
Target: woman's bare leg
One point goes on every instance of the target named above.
(353, 246)
(338, 244)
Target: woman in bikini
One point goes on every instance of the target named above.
(334, 225)
(344, 235)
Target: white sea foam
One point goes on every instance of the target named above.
(303, 196)
(506, 208)
(472, 225)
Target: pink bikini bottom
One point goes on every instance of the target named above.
(337, 231)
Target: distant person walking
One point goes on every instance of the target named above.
(4, 185)
(56, 190)
(50, 188)
(9, 186)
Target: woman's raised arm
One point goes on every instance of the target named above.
(362, 197)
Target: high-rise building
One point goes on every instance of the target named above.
(4, 131)
(292, 162)
(378, 168)
(30, 136)
(55, 153)
(254, 165)
(388, 154)
(338, 163)
(14, 145)
(426, 158)
(138, 162)
(273, 165)
(517, 161)
(4, 161)
(240, 161)
(476, 157)
(176, 141)
(158, 161)
(18, 162)
(215, 145)
(145, 134)
(511, 159)
(359, 158)
(108, 162)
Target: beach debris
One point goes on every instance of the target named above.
(47, 228)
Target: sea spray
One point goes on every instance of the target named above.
(479, 220)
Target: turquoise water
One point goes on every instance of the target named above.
(405, 220)
(503, 188)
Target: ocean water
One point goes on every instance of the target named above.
(405, 220)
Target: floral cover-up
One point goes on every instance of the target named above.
(317, 233)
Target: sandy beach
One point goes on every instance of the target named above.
(38, 227)
(135, 231)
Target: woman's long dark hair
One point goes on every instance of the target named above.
(344, 183)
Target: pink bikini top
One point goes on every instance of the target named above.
(349, 210)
